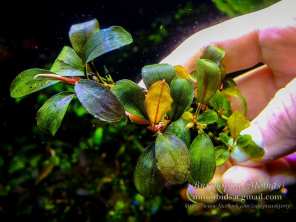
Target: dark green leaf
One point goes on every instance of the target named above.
(236, 123)
(208, 117)
(182, 92)
(179, 129)
(208, 77)
(146, 176)
(68, 63)
(99, 101)
(106, 40)
(156, 72)
(51, 114)
(131, 96)
(25, 84)
(221, 155)
(172, 158)
(203, 161)
(246, 149)
(80, 33)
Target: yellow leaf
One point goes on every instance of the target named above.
(182, 72)
(236, 123)
(158, 101)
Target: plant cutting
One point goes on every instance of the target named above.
(194, 125)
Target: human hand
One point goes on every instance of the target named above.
(269, 37)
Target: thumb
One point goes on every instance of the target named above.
(274, 128)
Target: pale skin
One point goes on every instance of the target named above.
(269, 37)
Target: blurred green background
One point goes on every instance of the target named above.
(85, 172)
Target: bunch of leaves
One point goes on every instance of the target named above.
(235, 8)
(189, 113)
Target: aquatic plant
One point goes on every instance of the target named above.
(189, 114)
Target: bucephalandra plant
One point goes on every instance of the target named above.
(190, 114)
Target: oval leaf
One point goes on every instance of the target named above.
(182, 92)
(80, 33)
(25, 83)
(158, 101)
(156, 72)
(131, 97)
(172, 158)
(236, 123)
(221, 155)
(179, 129)
(203, 162)
(246, 149)
(106, 40)
(220, 104)
(146, 177)
(68, 63)
(208, 117)
(51, 114)
(99, 101)
(208, 77)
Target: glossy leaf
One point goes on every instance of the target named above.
(203, 161)
(246, 149)
(25, 83)
(106, 40)
(236, 123)
(146, 176)
(220, 104)
(234, 94)
(221, 155)
(179, 129)
(51, 114)
(208, 77)
(68, 63)
(158, 101)
(172, 158)
(80, 33)
(182, 92)
(208, 117)
(99, 101)
(156, 72)
(131, 97)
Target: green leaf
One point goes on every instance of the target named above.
(208, 77)
(158, 101)
(131, 96)
(220, 104)
(106, 40)
(179, 129)
(182, 92)
(51, 114)
(246, 149)
(203, 161)
(25, 84)
(68, 63)
(146, 176)
(172, 158)
(226, 139)
(99, 101)
(214, 54)
(156, 72)
(208, 117)
(235, 94)
(80, 33)
(236, 123)
(221, 155)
